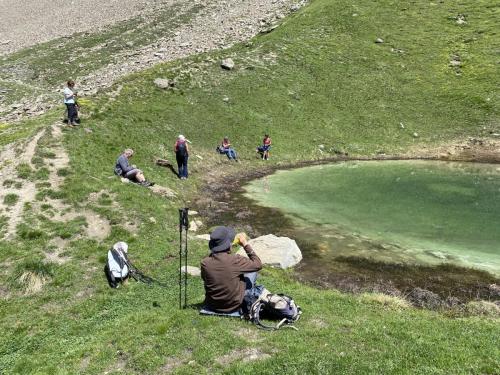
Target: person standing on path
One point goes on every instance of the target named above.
(70, 101)
(181, 150)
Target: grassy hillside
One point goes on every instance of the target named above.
(319, 78)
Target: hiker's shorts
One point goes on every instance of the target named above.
(131, 174)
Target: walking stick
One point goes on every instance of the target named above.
(183, 255)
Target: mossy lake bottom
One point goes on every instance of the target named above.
(390, 219)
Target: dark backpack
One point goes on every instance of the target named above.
(276, 307)
(181, 149)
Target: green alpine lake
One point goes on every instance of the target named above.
(405, 212)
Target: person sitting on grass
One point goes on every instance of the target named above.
(117, 266)
(225, 148)
(227, 277)
(265, 148)
(124, 169)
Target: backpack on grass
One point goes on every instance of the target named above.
(276, 307)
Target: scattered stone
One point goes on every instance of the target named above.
(193, 212)
(281, 252)
(379, 40)
(205, 237)
(163, 191)
(225, 99)
(461, 20)
(227, 64)
(321, 147)
(88, 130)
(191, 270)
(164, 83)
(124, 180)
(415, 135)
(152, 220)
(194, 225)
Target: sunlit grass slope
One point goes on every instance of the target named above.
(319, 78)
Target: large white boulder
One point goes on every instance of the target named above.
(281, 252)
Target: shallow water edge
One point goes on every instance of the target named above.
(225, 203)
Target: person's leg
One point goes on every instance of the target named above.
(180, 162)
(250, 279)
(72, 114)
(140, 177)
(185, 167)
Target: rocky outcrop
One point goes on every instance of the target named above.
(281, 252)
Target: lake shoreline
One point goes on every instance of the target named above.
(447, 285)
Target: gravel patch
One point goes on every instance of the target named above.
(36, 21)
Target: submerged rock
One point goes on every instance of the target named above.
(281, 252)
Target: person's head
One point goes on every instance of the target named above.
(128, 153)
(181, 138)
(121, 246)
(221, 239)
(266, 135)
(226, 138)
(70, 83)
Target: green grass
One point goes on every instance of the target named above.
(10, 199)
(319, 78)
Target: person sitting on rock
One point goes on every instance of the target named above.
(227, 149)
(124, 169)
(228, 278)
(265, 148)
(117, 267)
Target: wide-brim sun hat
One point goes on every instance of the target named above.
(221, 239)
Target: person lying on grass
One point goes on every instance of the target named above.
(227, 277)
(124, 169)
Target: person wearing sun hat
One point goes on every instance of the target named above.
(228, 277)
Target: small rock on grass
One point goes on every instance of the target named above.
(379, 40)
(205, 237)
(163, 83)
(227, 64)
(191, 270)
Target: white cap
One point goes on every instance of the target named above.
(181, 137)
(121, 246)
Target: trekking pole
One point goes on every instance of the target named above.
(183, 250)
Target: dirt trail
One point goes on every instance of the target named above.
(26, 192)
(12, 158)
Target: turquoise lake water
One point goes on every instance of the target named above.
(394, 211)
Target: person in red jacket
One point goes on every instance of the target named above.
(227, 277)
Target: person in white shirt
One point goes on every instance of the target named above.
(70, 101)
(117, 266)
